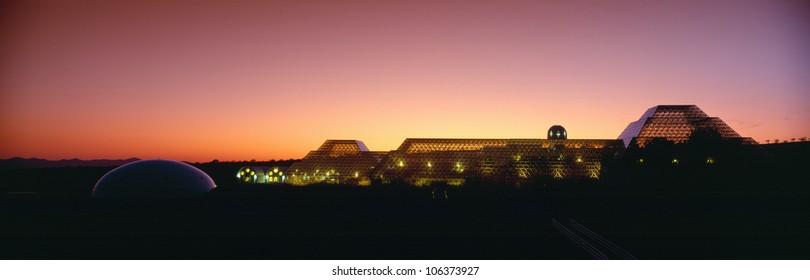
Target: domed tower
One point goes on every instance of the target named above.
(557, 132)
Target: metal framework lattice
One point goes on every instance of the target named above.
(422, 162)
(336, 161)
(675, 123)
(425, 161)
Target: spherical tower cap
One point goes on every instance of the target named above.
(557, 132)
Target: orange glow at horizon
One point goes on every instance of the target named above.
(241, 80)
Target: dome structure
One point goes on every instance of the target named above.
(155, 178)
(557, 132)
(252, 174)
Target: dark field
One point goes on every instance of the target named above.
(751, 215)
(322, 223)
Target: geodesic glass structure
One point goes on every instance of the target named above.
(336, 161)
(675, 123)
(422, 162)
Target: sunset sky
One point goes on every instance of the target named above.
(240, 80)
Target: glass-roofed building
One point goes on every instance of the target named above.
(336, 161)
(425, 161)
(422, 162)
(675, 123)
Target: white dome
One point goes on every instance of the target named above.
(154, 178)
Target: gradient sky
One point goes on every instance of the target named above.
(238, 80)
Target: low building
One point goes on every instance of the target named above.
(422, 162)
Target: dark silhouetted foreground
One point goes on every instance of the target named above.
(652, 212)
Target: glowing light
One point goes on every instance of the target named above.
(579, 159)
(247, 169)
(401, 164)
(558, 173)
(674, 161)
(709, 160)
(429, 164)
(641, 160)
(356, 174)
(238, 175)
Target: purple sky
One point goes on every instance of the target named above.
(198, 80)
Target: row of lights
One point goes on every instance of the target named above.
(247, 174)
(458, 167)
(675, 161)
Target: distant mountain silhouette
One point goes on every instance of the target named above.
(17, 162)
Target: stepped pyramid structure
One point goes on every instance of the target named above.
(675, 123)
(336, 161)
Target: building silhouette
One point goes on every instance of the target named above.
(455, 162)
(675, 123)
